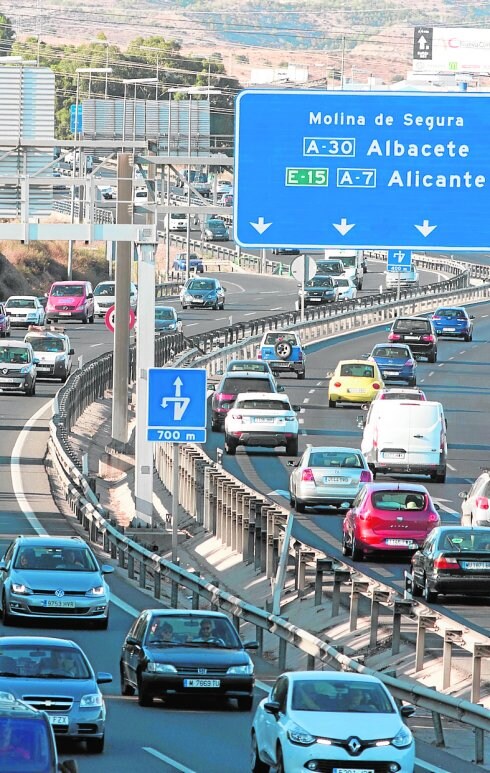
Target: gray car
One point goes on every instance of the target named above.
(17, 367)
(55, 676)
(327, 475)
(56, 578)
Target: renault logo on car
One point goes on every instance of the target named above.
(354, 745)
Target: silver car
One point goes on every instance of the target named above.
(57, 578)
(327, 475)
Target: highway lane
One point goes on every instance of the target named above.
(460, 380)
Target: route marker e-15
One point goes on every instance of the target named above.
(362, 170)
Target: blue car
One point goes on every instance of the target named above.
(396, 363)
(454, 322)
(195, 263)
(283, 352)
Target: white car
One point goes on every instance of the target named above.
(105, 297)
(262, 419)
(25, 310)
(317, 717)
(347, 291)
(475, 508)
(405, 279)
(53, 350)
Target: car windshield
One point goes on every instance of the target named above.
(46, 343)
(342, 282)
(17, 355)
(321, 281)
(66, 291)
(235, 385)
(249, 365)
(264, 405)
(411, 326)
(329, 267)
(461, 541)
(393, 352)
(20, 303)
(192, 631)
(349, 261)
(335, 459)
(357, 370)
(272, 339)
(164, 313)
(177, 216)
(106, 289)
(45, 557)
(42, 662)
(25, 745)
(398, 500)
(450, 313)
(201, 284)
(322, 695)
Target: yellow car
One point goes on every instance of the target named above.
(354, 381)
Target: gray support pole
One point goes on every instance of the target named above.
(175, 500)
(121, 327)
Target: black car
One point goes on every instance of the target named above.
(319, 290)
(285, 251)
(453, 560)
(186, 652)
(418, 333)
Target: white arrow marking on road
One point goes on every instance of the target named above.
(178, 385)
(425, 229)
(260, 225)
(343, 227)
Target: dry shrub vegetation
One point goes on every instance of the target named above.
(31, 268)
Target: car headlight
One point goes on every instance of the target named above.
(301, 737)
(171, 326)
(59, 357)
(25, 369)
(92, 701)
(248, 669)
(187, 297)
(21, 589)
(99, 590)
(403, 738)
(160, 668)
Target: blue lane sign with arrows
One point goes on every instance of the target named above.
(79, 127)
(362, 170)
(399, 261)
(177, 405)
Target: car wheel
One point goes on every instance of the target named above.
(8, 334)
(216, 306)
(144, 699)
(292, 447)
(84, 320)
(373, 471)
(432, 357)
(279, 767)
(300, 506)
(356, 552)
(332, 403)
(412, 382)
(416, 589)
(291, 499)
(95, 745)
(184, 307)
(439, 477)
(2, 335)
(92, 319)
(222, 307)
(256, 764)
(245, 702)
(429, 595)
(7, 618)
(126, 689)
(301, 374)
(346, 550)
(230, 446)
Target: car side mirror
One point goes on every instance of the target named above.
(103, 677)
(36, 360)
(461, 495)
(71, 351)
(296, 408)
(212, 387)
(131, 640)
(472, 316)
(106, 569)
(68, 766)
(280, 388)
(272, 707)
(3, 566)
(407, 711)
(361, 421)
(251, 645)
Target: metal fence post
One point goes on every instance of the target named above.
(322, 565)
(400, 607)
(450, 637)
(339, 576)
(379, 597)
(424, 622)
(358, 587)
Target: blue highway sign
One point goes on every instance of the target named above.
(72, 119)
(177, 405)
(362, 170)
(399, 261)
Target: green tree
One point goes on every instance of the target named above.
(7, 35)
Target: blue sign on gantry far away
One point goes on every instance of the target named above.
(372, 170)
(177, 403)
(399, 261)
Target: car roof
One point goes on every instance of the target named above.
(397, 486)
(38, 641)
(392, 345)
(342, 449)
(71, 282)
(263, 395)
(257, 362)
(330, 676)
(15, 342)
(248, 374)
(354, 362)
(46, 539)
(24, 297)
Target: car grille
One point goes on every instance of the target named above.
(65, 307)
(201, 670)
(52, 592)
(327, 766)
(51, 611)
(9, 372)
(53, 704)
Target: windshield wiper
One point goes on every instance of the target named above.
(8, 673)
(53, 676)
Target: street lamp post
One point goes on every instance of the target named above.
(105, 43)
(133, 82)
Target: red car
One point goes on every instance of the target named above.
(388, 517)
(4, 322)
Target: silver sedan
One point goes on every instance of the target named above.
(327, 475)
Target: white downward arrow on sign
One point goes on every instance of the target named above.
(343, 227)
(260, 225)
(425, 229)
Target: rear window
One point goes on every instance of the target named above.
(450, 313)
(330, 267)
(398, 500)
(412, 326)
(25, 746)
(259, 367)
(263, 405)
(272, 339)
(461, 541)
(335, 459)
(391, 352)
(359, 371)
(235, 385)
(401, 396)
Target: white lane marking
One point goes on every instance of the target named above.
(318, 383)
(431, 373)
(124, 606)
(440, 364)
(484, 315)
(92, 346)
(218, 319)
(168, 760)
(301, 421)
(277, 308)
(311, 391)
(421, 381)
(191, 324)
(462, 351)
(268, 292)
(250, 313)
(451, 358)
(263, 686)
(301, 410)
(15, 469)
(440, 504)
(306, 400)
(451, 467)
(241, 289)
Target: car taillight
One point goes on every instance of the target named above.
(337, 383)
(409, 363)
(482, 503)
(434, 518)
(300, 356)
(238, 416)
(376, 385)
(394, 337)
(307, 474)
(429, 339)
(366, 476)
(375, 438)
(223, 397)
(434, 317)
(446, 563)
(259, 355)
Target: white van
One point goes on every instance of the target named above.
(353, 261)
(176, 221)
(405, 436)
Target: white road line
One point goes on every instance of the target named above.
(451, 467)
(306, 400)
(462, 351)
(311, 391)
(318, 383)
(451, 358)
(268, 292)
(250, 313)
(440, 364)
(192, 324)
(421, 381)
(168, 760)
(218, 319)
(301, 410)
(484, 315)
(431, 373)
(125, 607)
(301, 421)
(92, 346)
(277, 308)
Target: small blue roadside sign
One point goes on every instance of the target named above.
(177, 405)
(399, 261)
(362, 170)
(79, 121)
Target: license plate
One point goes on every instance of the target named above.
(405, 542)
(449, 330)
(44, 367)
(64, 313)
(264, 420)
(353, 770)
(412, 338)
(391, 373)
(58, 604)
(334, 480)
(475, 564)
(198, 300)
(8, 380)
(58, 720)
(202, 682)
(393, 455)
(357, 391)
